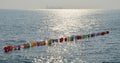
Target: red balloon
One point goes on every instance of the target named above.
(10, 48)
(65, 39)
(78, 37)
(102, 33)
(6, 49)
(61, 39)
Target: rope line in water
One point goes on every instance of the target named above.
(50, 41)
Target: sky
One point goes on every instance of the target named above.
(66, 4)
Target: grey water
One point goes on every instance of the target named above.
(21, 26)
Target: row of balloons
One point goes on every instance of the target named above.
(51, 41)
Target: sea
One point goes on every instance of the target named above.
(23, 26)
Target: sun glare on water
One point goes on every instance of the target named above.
(70, 20)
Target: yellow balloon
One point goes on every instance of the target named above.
(32, 44)
(49, 43)
(68, 39)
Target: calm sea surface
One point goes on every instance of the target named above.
(21, 26)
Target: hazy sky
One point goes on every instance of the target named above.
(38, 4)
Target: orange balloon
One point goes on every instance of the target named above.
(35, 44)
(10, 48)
(43, 43)
(25, 45)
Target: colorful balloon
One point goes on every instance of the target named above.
(32, 44)
(15, 47)
(49, 43)
(39, 43)
(19, 47)
(44, 43)
(102, 33)
(61, 39)
(93, 35)
(10, 47)
(6, 49)
(85, 36)
(88, 35)
(28, 45)
(65, 39)
(78, 37)
(107, 32)
(98, 34)
(68, 39)
(24, 45)
(72, 38)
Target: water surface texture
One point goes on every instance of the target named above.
(21, 26)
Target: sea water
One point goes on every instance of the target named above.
(21, 26)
